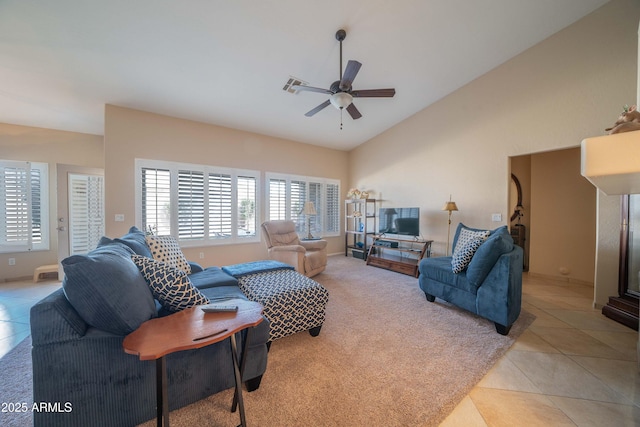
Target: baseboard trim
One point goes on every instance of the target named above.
(561, 279)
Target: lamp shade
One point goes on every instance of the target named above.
(450, 206)
(341, 100)
(309, 209)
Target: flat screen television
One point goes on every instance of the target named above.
(400, 221)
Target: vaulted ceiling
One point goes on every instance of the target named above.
(226, 62)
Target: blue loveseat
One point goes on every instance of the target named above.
(77, 335)
(490, 285)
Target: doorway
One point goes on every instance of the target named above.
(560, 215)
(80, 215)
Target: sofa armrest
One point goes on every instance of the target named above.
(53, 319)
(195, 267)
(499, 297)
(287, 248)
(291, 254)
(313, 245)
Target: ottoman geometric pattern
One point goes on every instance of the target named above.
(292, 302)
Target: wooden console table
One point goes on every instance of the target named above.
(189, 329)
(399, 255)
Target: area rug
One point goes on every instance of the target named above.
(16, 390)
(385, 356)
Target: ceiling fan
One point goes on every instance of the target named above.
(341, 93)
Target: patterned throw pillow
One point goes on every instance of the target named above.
(467, 244)
(461, 258)
(167, 250)
(170, 286)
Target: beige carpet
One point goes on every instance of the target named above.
(385, 357)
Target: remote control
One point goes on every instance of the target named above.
(218, 308)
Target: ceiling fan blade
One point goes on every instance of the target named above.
(373, 93)
(318, 108)
(311, 89)
(353, 111)
(350, 74)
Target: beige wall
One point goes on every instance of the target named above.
(563, 217)
(551, 96)
(52, 147)
(131, 134)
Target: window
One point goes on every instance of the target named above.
(199, 205)
(24, 210)
(287, 194)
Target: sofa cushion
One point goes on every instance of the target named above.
(167, 250)
(169, 285)
(498, 244)
(136, 240)
(107, 290)
(212, 277)
(464, 252)
(439, 269)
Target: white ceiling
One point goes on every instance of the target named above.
(225, 62)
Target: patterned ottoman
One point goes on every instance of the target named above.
(292, 302)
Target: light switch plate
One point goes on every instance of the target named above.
(496, 217)
(119, 217)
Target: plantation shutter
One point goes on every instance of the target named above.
(191, 209)
(156, 201)
(277, 199)
(247, 198)
(315, 195)
(220, 206)
(15, 216)
(298, 191)
(332, 208)
(86, 212)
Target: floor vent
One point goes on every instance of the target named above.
(293, 81)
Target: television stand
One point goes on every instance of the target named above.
(401, 258)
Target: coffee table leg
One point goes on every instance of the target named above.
(236, 369)
(162, 400)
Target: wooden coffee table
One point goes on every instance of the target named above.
(186, 330)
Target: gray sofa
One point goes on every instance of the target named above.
(77, 335)
(490, 285)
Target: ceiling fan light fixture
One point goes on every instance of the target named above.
(341, 100)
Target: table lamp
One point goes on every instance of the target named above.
(309, 210)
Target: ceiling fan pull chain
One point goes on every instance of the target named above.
(341, 118)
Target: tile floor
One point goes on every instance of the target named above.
(572, 367)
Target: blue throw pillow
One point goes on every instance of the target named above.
(136, 240)
(171, 286)
(498, 244)
(107, 290)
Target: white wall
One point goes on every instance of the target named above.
(568, 87)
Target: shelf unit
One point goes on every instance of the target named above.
(359, 226)
(403, 258)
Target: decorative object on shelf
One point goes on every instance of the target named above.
(449, 206)
(354, 193)
(309, 210)
(628, 121)
(364, 194)
(357, 214)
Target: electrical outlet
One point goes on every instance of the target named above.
(201, 255)
(12, 261)
(496, 217)
(119, 217)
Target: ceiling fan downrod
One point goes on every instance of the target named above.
(340, 36)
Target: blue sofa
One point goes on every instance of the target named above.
(490, 285)
(77, 335)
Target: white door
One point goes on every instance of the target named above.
(80, 209)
